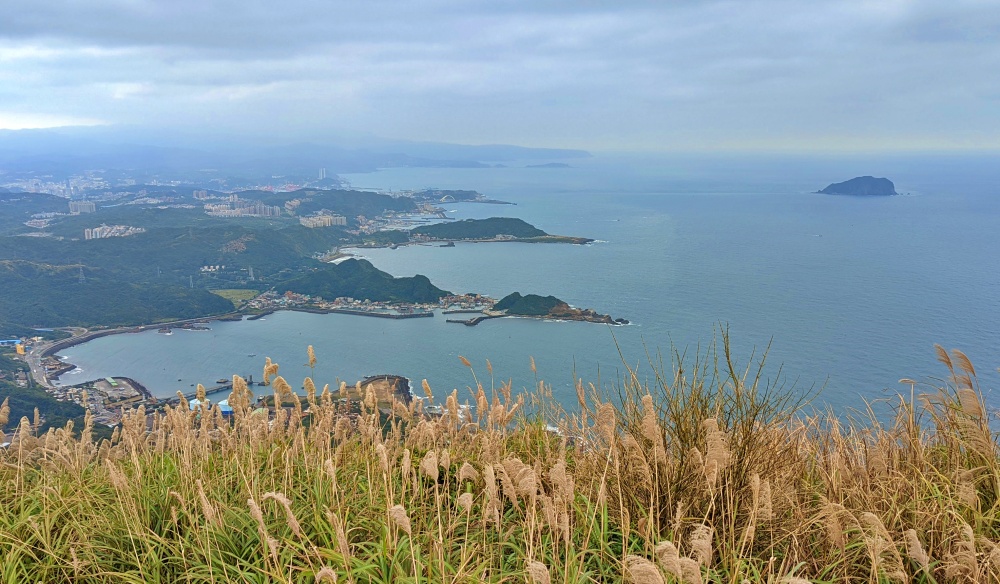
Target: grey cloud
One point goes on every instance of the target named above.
(647, 74)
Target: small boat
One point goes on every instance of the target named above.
(222, 380)
(251, 354)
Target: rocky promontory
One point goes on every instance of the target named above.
(550, 307)
(862, 186)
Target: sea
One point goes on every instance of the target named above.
(841, 297)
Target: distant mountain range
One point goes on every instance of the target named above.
(66, 151)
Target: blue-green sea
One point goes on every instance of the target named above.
(849, 293)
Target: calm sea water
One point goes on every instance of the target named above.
(851, 294)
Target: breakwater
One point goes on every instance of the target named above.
(138, 387)
(91, 335)
(476, 320)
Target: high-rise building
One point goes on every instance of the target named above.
(322, 173)
(323, 221)
(77, 207)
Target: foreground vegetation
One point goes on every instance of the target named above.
(706, 475)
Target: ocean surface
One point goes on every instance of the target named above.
(849, 294)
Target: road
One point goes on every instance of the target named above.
(34, 357)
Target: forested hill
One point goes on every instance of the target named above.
(361, 280)
(529, 304)
(480, 229)
(53, 295)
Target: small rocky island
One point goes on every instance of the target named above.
(862, 186)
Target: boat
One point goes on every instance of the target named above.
(251, 354)
(165, 330)
(222, 381)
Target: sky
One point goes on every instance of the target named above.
(767, 75)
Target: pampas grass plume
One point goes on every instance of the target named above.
(538, 572)
(398, 515)
(639, 570)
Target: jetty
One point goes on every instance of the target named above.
(476, 320)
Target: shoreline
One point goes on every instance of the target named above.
(478, 319)
(146, 395)
(540, 239)
(59, 345)
(238, 316)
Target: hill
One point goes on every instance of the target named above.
(862, 186)
(529, 305)
(360, 280)
(480, 229)
(47, 295)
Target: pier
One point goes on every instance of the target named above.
(476, 320)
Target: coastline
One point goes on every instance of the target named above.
(146, 395)
(49, 352)
(603, 319)
(540, 239)
(59, 345)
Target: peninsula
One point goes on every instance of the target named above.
(862, 186)
(546, 307)
(492, 229)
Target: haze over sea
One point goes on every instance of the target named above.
(852, 293)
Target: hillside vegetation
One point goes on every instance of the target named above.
(359, 279)
(528, 305)
(32, 402)
(166, 272)
(707, 475)
(480, 229)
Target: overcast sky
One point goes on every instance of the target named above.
(664, 75)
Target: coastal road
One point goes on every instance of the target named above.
(34, 357)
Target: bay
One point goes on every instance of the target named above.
(850, 293)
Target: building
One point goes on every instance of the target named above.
(105, 231)
(200, 195)
(323, 221)
(77, 207)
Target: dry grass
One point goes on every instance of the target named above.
(706, 475)
(236, 295)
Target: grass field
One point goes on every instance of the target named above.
(236, 295)
(708, 475)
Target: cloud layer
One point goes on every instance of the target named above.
(627, 75)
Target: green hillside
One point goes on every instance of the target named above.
(528, 305)
(49, 295)
(480, 229)
(361, 280)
